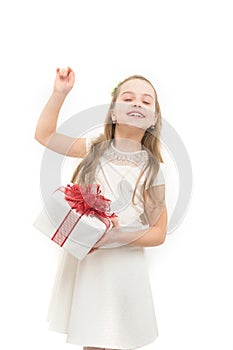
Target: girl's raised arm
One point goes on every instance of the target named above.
(46, 127)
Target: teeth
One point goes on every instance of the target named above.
(136, 115)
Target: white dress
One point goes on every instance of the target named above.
(105, 300)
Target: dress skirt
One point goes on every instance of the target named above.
(104, 300)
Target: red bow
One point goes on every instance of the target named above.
(88, 201)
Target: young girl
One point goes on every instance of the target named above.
(105, 301)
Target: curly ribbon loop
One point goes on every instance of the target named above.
(83, 201)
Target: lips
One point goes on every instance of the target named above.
(135, 113)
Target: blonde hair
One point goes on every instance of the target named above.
(85, 172)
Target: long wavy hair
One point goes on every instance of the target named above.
(85, 172)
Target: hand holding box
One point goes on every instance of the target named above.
(76, 218)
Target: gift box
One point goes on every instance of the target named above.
(75, 218)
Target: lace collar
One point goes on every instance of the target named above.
(135, 157)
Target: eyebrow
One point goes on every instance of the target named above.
(131, 92)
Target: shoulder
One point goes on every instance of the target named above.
(160, 178)
(162, 170)
(92, 136)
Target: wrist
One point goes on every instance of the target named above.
(59, 95)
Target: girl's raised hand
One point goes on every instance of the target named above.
(64, 80)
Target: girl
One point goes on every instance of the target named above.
(104, 301)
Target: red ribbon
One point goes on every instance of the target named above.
(83, 201)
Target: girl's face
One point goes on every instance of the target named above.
(135, 104)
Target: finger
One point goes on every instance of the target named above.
(115, 222)
(92, 250)
(71, 76)
(64, 72)
(102, 240)
(70, 70)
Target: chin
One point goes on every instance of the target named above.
(132, 126)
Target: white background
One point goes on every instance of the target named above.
(185, 49)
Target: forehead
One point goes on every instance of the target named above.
(137, 86)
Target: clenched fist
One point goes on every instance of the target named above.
(64, 80)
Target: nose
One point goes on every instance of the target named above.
(137, 104)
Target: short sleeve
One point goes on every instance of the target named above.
(90, 137)
(160, 178)
(156, 199)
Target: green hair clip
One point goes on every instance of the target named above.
(115, 88)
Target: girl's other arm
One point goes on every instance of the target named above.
(47, 124)
(156, 213)
(153, 234)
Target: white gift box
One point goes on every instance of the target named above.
(87, 231)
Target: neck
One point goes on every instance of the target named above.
(128, 140)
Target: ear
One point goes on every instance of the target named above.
(154, 123)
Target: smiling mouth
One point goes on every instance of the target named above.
(136, 114)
